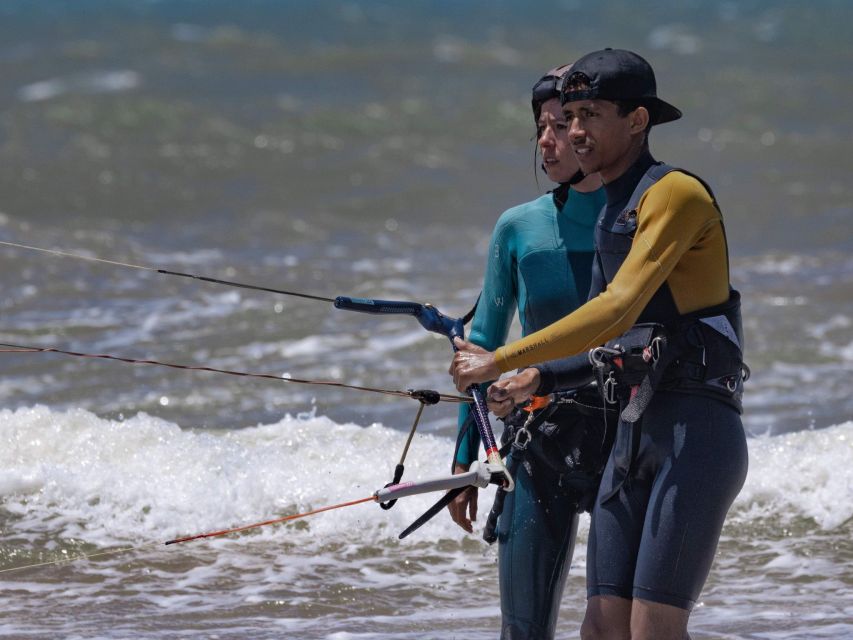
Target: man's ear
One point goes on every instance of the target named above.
(639, 119)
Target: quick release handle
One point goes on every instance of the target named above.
(367, 305)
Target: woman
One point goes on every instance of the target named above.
(539, 261)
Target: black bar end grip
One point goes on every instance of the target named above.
(398, 475)
(438, 507)
(378, 307)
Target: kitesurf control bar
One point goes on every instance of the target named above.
(479, 475)
(433, 320)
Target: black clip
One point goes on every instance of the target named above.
(427, 396)
(398, 475)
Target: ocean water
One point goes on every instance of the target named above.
(366, 149)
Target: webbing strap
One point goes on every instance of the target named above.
(518, 453)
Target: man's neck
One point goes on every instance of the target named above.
(625, 162)
(590, 183)
(619, 190)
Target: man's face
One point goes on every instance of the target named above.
(601, 139)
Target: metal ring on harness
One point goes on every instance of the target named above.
(597, 355)
(732, 381)
(655, 349)
(609, 391)
(522, 438)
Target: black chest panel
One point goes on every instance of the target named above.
(705, 347)
(614, 236)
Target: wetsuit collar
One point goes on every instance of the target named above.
(561, 195)
(621, 189)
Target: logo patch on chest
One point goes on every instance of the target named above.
(629, 215)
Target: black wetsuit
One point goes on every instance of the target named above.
(672, 475)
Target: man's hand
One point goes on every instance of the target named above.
(472, 365)
(504, 394)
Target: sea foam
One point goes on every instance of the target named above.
(74, 474)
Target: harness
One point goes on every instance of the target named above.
(699, 353)
(565, 438)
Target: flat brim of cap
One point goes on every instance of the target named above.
(663, 111)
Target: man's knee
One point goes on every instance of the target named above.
(607, 618)
(656, 621)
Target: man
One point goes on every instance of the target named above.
(661, 276)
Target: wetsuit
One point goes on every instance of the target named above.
(674, 473)
(540, 261)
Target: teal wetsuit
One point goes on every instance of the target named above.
(540, 262)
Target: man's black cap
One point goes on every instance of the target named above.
(616, 74)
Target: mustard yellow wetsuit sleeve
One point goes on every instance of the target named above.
(679, 241)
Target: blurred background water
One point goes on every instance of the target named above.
(367, 148)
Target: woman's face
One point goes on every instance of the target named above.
(552, 135)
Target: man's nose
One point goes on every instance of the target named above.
(576, 130)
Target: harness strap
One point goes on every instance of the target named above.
(517, 454)
(641, 395)
(632, 395)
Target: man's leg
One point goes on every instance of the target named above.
(607, 618)
(655, 621)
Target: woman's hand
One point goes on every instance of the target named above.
(463, 509)
(471, 365)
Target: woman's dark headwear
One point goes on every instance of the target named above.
(547, 88)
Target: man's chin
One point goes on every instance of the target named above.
(588, 168)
